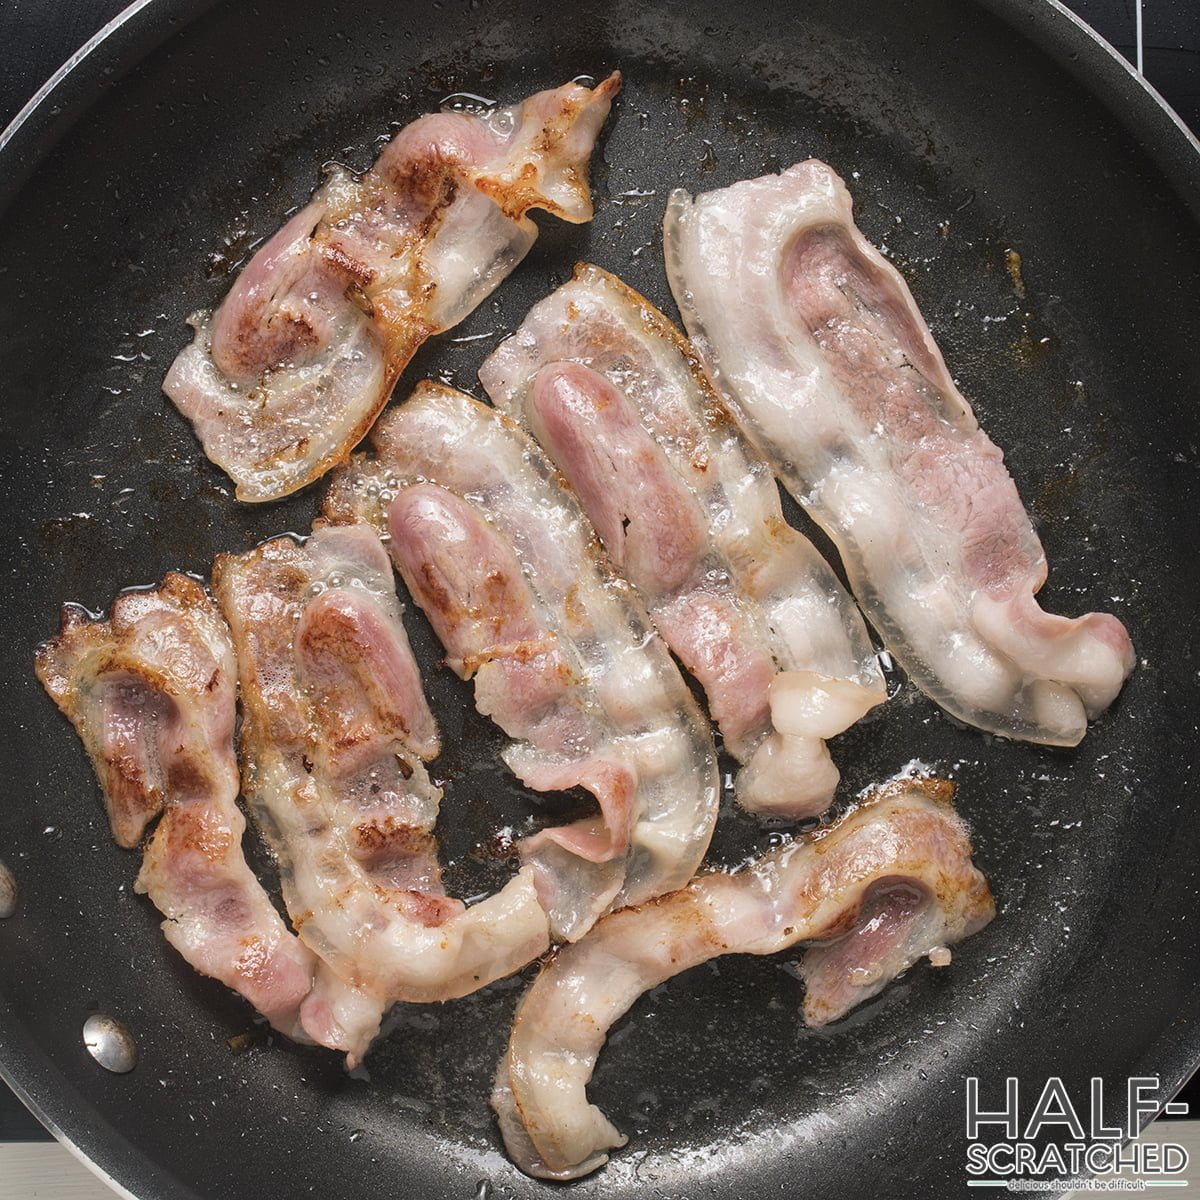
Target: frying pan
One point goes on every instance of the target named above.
(965, 130)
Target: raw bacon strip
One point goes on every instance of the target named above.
(691, 515)
(507, 568)
(295, 365)
(888, 884)
(335, 725)
(152, 692)
(817, 342)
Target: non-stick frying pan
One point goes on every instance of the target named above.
(966, 130)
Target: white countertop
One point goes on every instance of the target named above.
(46, 1171)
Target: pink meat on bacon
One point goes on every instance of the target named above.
(152, 693)
(888, 884)
(818, 344)
(334, 734)
(507, 569)
(294, 366)
(470, 585)
(691, 515)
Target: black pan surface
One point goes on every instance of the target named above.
(965, 130)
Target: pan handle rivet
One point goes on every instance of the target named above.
(8, 892)
(110, 1043)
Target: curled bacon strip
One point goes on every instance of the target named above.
(335, 729)
(295, 365)
(690, 513)
(152, 692)
(507, 569)
(888, 884)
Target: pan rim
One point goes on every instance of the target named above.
(77, 1152)
(1136, 104)
(1000, 7)
(139, 29)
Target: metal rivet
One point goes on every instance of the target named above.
(110, 1043)
(8, 892)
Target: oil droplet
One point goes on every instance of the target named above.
(468, 102)
(471, 337)
(633, 196)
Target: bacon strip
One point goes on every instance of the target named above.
(335, 728)
(152, 693)
(817, 342)
(885, 886)
(295, 365)
(691, 515)
(506, 568)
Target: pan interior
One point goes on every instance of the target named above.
(961, 144)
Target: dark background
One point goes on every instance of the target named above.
(36, 36)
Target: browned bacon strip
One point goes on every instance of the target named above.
(334, 732)
(152, 693)
(293, 368)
